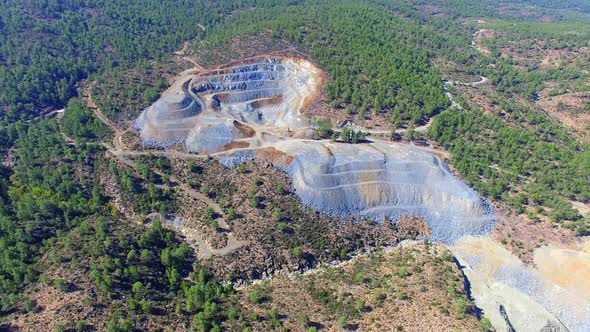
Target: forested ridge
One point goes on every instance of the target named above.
(42, 199)
(47, 47)
(502, 161)
(505, 9)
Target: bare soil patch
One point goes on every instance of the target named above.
(479, 37)
(584, 208)
(536, 55)
(569, 108)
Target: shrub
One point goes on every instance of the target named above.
(359, 305)
(81, 326)
(209, 214)
(255, 201)
(303, 320)
(232, 314)
(402, 295)
(359, 277)
(273, 319)
(403, 272)
(297, 252)
(380, 298)
(447, 256)
(280, 189)
(28, 305)
(485, 324)
(324, 129)
(132, 305)
(277, 215)
(231, 214)
(60, 284)
(255, 297)
(146, 306)
(462, 305)
(137, 287)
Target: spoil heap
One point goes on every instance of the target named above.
(171, 118)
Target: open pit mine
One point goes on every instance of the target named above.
(256, 110)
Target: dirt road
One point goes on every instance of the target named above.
(119, 151)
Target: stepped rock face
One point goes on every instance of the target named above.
(263, 93)
(170, 119)
(198, 110)
(378, 180)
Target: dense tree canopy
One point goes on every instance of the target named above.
(501, 161)
(46, 47)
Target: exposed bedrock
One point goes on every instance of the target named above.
(266, 93)
(235, 106)
(376, 180)
(213, 133)
(171, 118)
(197, 110)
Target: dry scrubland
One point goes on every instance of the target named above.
(414, 287)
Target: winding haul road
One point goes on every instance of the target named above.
(119, 151)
